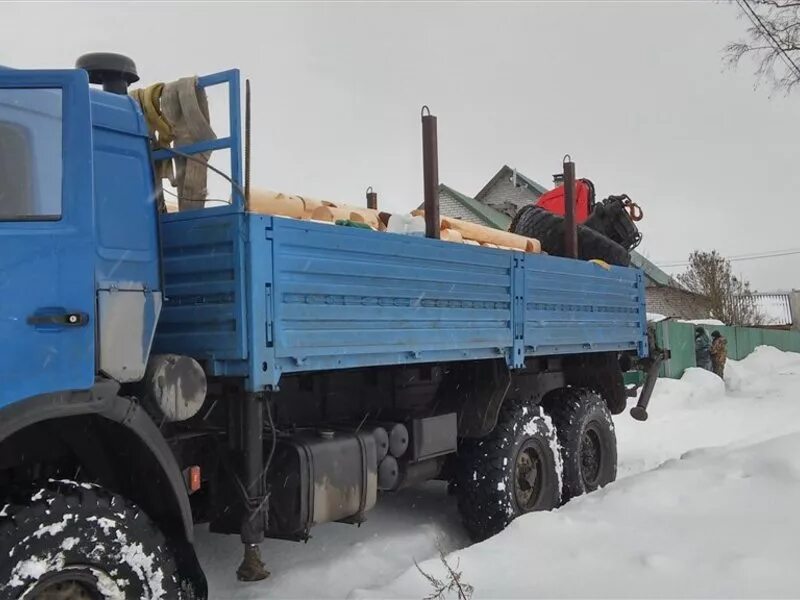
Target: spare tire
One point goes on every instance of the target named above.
(547, 227)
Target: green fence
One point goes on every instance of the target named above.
(679, 339)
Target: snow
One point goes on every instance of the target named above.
(705, 505)
(706, 322)
(33, 568)
(144, 565)
(655, 317)
(104, 523)
(69, 543)
(54, 528)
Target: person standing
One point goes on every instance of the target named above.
(718, 352)
(702, 353)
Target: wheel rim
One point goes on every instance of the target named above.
(70, 584)
(528, 474)
(591, 457)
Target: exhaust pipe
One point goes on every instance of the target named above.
(570, 226)
(430, 173)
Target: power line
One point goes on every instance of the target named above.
(741, 257)
(755, 19)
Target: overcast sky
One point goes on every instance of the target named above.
(637, 93)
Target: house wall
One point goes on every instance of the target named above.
(507, 198)
(676, 303)
(449, 206)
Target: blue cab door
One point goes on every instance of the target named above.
(47, 290)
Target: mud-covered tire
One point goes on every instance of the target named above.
(512, 471)
(77, 534)
(547, 227)
(587, 440)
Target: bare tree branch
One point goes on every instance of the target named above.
(772, 42)
(453, 583)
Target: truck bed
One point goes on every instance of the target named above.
(258, 296)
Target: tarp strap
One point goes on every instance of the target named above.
(177, 115)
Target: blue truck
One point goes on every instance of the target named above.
(257, 373)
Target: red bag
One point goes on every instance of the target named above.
(584, 200)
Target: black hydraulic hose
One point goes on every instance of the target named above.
(268, 461)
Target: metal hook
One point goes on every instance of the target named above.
(424, 108)
(567, 158)
(369, 190)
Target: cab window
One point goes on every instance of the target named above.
(30, 154)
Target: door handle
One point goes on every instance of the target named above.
(61, 319)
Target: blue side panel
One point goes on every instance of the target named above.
(204, 305)
(257, 296)
(346, 297)
(575, 306)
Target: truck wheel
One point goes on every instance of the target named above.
(77, 540)
(587, 439)
(547, 227)
(512, 471)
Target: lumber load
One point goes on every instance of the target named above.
(451, 235)
(486, 235)
(451, 230)
(285, 205)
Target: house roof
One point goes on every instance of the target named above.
(506, 171)
(492, 216)
(656, 275)
(652, 272)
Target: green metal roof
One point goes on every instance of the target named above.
(652, 272)
(492, 217)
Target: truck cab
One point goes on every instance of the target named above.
(259, 373)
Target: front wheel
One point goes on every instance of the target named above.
(512, 471)
(77, 540)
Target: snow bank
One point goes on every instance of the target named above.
(714, 523)
(758, 401)
(756, 373)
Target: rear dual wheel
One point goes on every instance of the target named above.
(512, 471)
(536, 458)
(587, 440)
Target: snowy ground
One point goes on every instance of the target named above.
(706, 505)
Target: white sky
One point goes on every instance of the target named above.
(636, 92)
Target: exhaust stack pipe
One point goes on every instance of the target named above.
(430, 173)
(570, 226)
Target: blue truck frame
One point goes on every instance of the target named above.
(95, 283)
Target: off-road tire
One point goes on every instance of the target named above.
(586, 437)
(487, 471)
(78, 534)
(547, 227)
